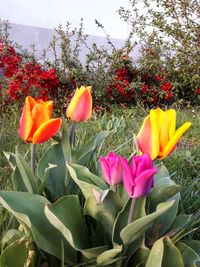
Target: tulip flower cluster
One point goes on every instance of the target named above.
(138, 179)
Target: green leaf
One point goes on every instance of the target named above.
(137, 228)
(122, 218)
(29, 210)
(65, 215)
(180, 222)
(172, 256)
(93, 253)
(140, 257)
(57, 177)
(190, 257)
(15, 255)
(156, 255)
(164, 222)
(10, 236)
(85, 153)
(86, 181)
(194, 244)
(109, 257)
(11, 159)
(162, 193)
(29, 179)
(17, 181)
(162, 177)
(104, 210)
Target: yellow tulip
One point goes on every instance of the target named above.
(158, 135)
(80, 107)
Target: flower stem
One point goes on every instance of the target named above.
(33, 157)
(114, 188)
(130, 216)
(72, 134)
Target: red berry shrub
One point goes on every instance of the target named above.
(25, 78)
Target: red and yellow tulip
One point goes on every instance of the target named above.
(158, 135)
(36, 124)
(80, 107)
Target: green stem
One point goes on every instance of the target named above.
(114, 188)
(33, 157)
(131, 211)
(72, 134)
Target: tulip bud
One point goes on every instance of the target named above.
(80, 107)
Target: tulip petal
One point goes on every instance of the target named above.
(163, 131)
(173, 142)
(148, 136)
(49, 107)
(172, 122)
(105, 169)
(116, 171)
(80, 107)
(39, 116)
(26, 121)
(128, 177)
(46, 131)
(144, 183)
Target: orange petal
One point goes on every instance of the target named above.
(148, 137)
(80, 107)
(173, 142)
(39, 116)
(46, 131)
(26, 121)
(49, 107)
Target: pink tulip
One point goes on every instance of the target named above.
(111, 168)
(138, 179)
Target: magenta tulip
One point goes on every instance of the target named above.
(111, 168)
(138, 179)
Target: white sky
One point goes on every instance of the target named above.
(50, 13)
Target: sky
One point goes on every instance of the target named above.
(51, 13)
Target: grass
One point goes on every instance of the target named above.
(183, 163)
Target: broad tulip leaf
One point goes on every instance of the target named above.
(122, 218)
(85, 153)
(162, 193)
(11, 157)
(29, 210)
(17, 181)
(140, 257)
(194, 244)
(57, 177)
(190, 257)
(10, 236)
(93, 253)
(105, 210)
(137, 228)
(162, 177)
(180, 222)
(163, 223)
(66, 216)
(86, 181)
(109, 257)
(172, 256)
(16, 255)
(156, 255)
(29, 179)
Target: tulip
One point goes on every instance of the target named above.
(138, 179)
(36, 125)
(111, 168)
(158, 135)
(80, 107)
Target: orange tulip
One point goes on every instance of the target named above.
(158, 135)
(80, 107)
(36, 125)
